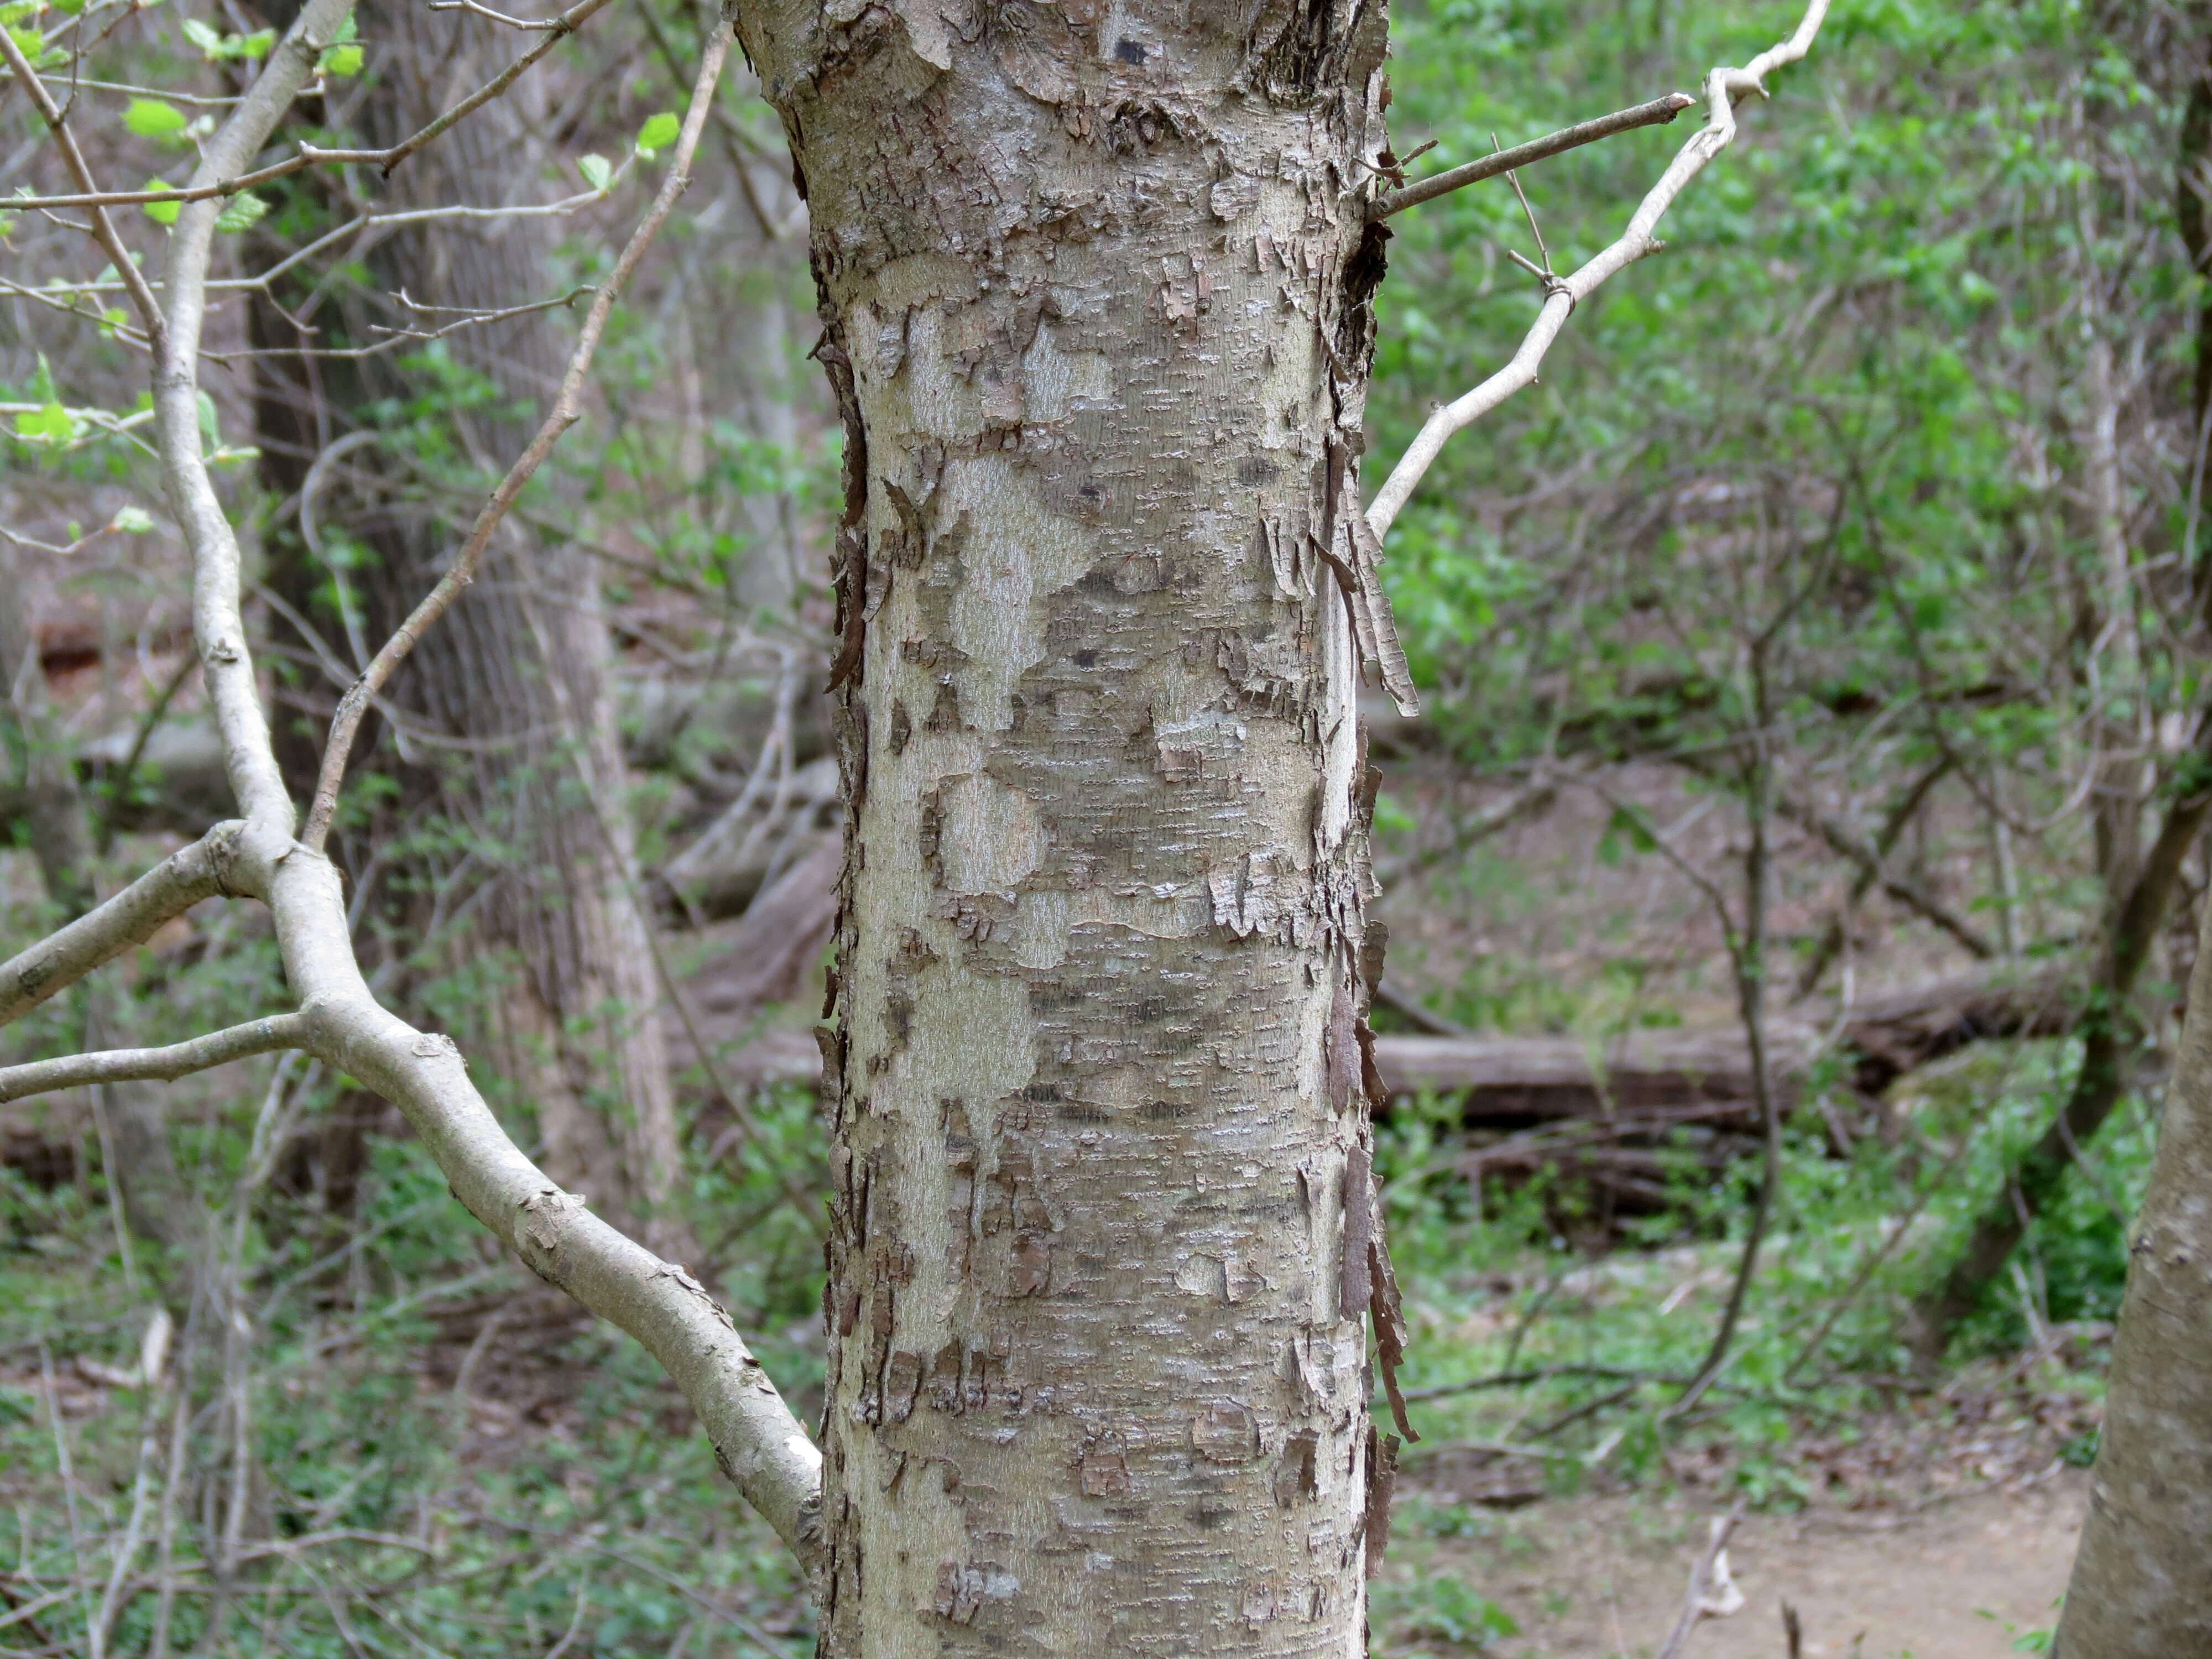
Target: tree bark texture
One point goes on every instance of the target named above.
(1096, 290)
(2139, 1587)
(507, 700)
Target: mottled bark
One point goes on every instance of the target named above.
(1096, 287)
(2139, 1589)
(518, 670)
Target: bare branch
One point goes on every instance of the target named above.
(168, 94)
(495, 16)
(103, 229)
(568, 410)
(1723, 86)
(172, 887)
(1708, 1577)
(1654, 113)
(258, 1037)
(395, 338)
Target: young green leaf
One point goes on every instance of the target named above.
(341, 57)
(255, 44)
(657, 134)
(149, 117)
(207, 39)
(134, 520)
(241, 210)
(49, 423)
(598, 173)
(162, 213)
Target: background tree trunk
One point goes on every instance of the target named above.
(2139, 1587)
(509, 713)
(1096, 290)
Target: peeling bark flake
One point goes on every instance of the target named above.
(1356, 1284)
(1381, 1487)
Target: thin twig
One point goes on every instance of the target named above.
(1656, 112)
(1536, 1374)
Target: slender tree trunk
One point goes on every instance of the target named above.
(2140, 1590)
(519, 672)
(1096, 294)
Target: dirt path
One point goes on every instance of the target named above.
(1603, 1577)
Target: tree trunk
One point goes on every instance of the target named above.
(518, 672)
(53, 806)
(2139, 1589)
(158, 1203)
(1096, 295)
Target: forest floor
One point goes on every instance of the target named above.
(1978, 1573)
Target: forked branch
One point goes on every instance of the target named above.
(1723, 86)
(201, 870)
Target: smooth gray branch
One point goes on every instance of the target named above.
(172, 887)
(258, 1037)
(1723, 86)
(1654, 113)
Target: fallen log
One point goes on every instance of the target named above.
(1520, 1081)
